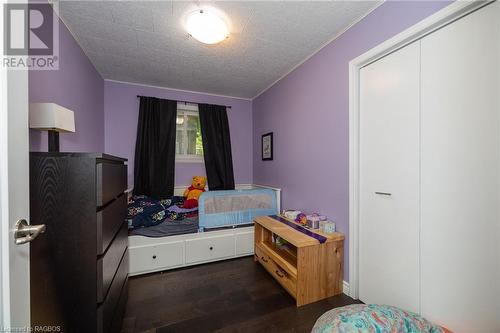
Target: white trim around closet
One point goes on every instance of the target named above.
(434, 22)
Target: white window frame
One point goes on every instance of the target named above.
(188, 109)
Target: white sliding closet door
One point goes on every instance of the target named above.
(389, 164)
(460, 173)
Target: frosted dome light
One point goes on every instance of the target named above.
(206, 27)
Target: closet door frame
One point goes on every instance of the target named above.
(445, 16)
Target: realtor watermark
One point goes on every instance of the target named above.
(30, 36)
(44, 329)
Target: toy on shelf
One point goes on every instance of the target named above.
(314, 219)
(328, 227)
(291, 214)
(311, 221)
(193, 192)
(301, 218)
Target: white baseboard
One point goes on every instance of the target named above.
(346, 289)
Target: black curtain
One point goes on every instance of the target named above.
(155, 148)
(216, 146)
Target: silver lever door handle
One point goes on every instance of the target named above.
(25, 233)
(383, 193)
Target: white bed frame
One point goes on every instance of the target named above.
(149, 254)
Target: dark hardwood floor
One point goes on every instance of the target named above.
(229, 296)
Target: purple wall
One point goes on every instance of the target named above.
(308, 111)
(77, 86)
(121, 107)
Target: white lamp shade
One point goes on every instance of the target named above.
(51, 116)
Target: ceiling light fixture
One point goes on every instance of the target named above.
(206, 27)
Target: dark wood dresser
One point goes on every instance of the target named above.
(79, 266)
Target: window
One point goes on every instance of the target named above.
(188, 144)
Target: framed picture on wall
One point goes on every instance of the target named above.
(267, 147)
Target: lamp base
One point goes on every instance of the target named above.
(53, 141)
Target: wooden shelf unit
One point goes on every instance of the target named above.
(308, 270)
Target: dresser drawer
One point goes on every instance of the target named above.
(116, 322)
(106, 310)
(111, 181)
(209, 248)
(108, 264)
(109, 220)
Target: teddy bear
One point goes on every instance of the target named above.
(193, 192)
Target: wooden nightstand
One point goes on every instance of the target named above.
(308, 269)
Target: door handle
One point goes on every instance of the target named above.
(383, 193)
(25, 233)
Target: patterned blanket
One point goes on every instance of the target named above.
(145, 211)
(373, 319)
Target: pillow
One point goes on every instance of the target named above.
(373, 318)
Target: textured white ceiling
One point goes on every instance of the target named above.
(145, 42)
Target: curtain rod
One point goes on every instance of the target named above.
(188, 102)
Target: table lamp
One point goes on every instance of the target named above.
(53, 118)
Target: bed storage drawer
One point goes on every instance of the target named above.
(109, 220)
(148, 258)
(107, 264)
(111, 181)
(106, 310)
(244, 243)
(211, 248)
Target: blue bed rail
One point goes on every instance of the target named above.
(227, 208)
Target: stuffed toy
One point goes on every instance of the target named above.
(193, 192)
(301, 218)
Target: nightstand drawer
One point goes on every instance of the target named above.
(286, 280)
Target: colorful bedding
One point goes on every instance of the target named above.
(188, 225)
(145, 211)
(373, 319)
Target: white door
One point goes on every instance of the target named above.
(460, 166)
(14, 197)
(389, 180)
